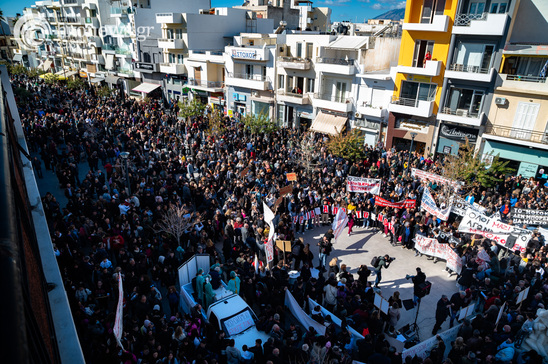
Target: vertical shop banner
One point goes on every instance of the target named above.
(118, 322)
(339, 223)
(429, 205)
(363, 185)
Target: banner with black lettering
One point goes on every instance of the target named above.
(529, 216)
(460, 205)
(434, 248)
(510, 236)
(423, 176)
(363, 185)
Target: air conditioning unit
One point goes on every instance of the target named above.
(358, 115)
(501, 101)
(255, 93)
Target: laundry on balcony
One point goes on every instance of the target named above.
(328, 123)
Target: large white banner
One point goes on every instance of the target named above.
(529, 216)
(430, 206)
(118, 323)
(506, 235)
(337, 321)
(300, 315)
(423, 349)
(423, 175)
(460, 205)
(339, 223)
(434, 248)
(269, 245)
(363, 185)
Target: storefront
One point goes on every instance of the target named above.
(402, 128)
(526, 161)
(294, 115)
(452, 136)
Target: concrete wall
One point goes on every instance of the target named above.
(383, 56)
(504, 115)
(321, 19)
(530, 24)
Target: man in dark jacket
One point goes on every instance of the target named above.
(442, 311)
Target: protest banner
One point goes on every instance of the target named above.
(363, 185)
(506, 235)
(460, 205)
(118, 324)
(529, 216)
(422, 350)
(244, 172)
(339, 223)
(430, 206)
(291, 176)
(285, 190)
(423, 175)
(434, 248)
(269, 248)
(401, 204)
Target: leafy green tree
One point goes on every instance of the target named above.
(104, 91)
(259, 124)
(50, 78)
(216, 126)
(347, 145)
(75, 84)
(191, 109)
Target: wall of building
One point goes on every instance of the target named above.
(530, 12)
(383, 56)
(321, 19)
(504, 115)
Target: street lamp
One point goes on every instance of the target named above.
(413, 135)
(125, 156)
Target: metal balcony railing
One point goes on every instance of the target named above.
(334, 98)
(526, 78)
(463, 19)
(466, 68)
(339, 61)
(208, 84)
(292, 94)
(293, 59)
(404, 101)
(247, 76)
(461, 112)
(517, 133)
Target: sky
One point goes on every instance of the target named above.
(352, 10)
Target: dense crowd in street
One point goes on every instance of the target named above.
(110, 226)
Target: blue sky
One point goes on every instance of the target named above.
(353, 10)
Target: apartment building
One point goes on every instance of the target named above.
(516, 127)
(278, 10)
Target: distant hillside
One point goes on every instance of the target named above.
(396, 14)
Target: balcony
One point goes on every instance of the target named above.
(249, 53)
(332, 102)
(464, 72)
(254, 82)
(439, 24)
(207, 56)
(415, 107)
(211, 86)
(367, 109)
(525, 84)
(480, 24)
(293, 98)
(336, 65)
(498, 132)
(110, 48)
(172, 68)
(461, 116)
(169, 18)
(294, 63)
(146, 67)
(171, 43)
(431, 68)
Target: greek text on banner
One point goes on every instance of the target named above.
(363, 185)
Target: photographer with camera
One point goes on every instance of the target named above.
(383, 262)
(417, 279)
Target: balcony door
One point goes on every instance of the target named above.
(422, 47)
(340, 91)
(464, 102)
(413, 92)
(431, 8)
(474, 57)
(198, 75)
(498, 6)
(524, 120)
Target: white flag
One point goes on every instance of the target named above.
(339, 223)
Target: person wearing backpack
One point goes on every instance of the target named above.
(382, 262)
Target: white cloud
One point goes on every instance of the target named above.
(334, 2)
(388, 4)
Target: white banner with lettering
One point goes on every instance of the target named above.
(430, 206)
(422, 350)
(434, 248)
(363, 185)
(506, 235)
(300, 315)
(423, 175)
(269, 245)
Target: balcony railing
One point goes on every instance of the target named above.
(116, 49)
(292, 94)
(246, 76)
(460, 112)
(526, 78)
(333, 98)
(293, 59)
(339, 61)
(405, 101)
(208, 84)
(517, 133)
(466, 68)
(464, 19)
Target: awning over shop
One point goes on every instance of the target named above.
(17, 57)
(46, 65)
(328, 123)
(112, 79)
(97, 79)
(346, 42)
(146, 87)
(70, 73)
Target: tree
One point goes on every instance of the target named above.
(191, 109)
(348, 146)
(104, 91)
(259, 124)
(75, 84)
(307, 152)
(216, 127)
(176, 221)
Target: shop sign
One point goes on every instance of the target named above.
(144, 66)
(247, 54)
(83, 74)
(412, 125)
(527, 170)
(458, 133)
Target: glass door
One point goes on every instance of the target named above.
(476, 8)
(427, 11)
(340, 92)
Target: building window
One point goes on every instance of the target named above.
(299, 50)
(499, 7)
(309, 50)
(413, 92)
(474, 57)
(289, 83)
(281, 83)
(431, 8)
(464, 102)
(476, 7)
(310, 85)
(146, 57)
(260, 108)
(524, 120)
(423, 52)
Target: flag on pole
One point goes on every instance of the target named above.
(339, 223)
(118, 324)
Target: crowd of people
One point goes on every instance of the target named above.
(111, 221)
